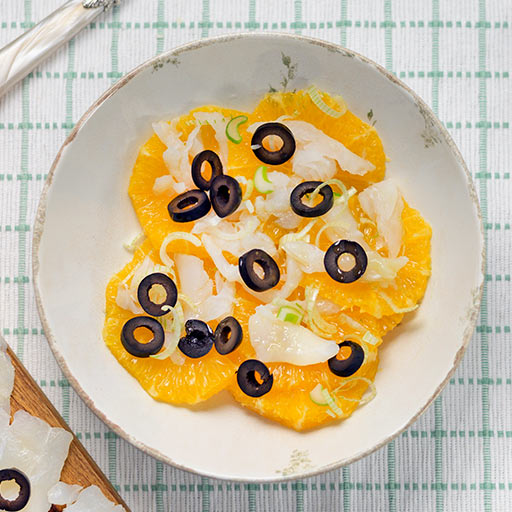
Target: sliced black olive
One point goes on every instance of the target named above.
(189, 206)
(134, 347)
(197, 328)
(247, 381)
(350, 365)
(23, 482)
(225, 195)
(332, 257)
(198, 341)
(228, 335)
(280, 156)
(271, 273)
(309, 187)
(150, 307)
(197, 164)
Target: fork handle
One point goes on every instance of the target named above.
(22, 55)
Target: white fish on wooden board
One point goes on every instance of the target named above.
(40, 451)
(90, 499)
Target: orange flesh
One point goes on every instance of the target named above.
(194, 381)
(288, 402)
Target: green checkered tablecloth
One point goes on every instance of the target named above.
(457, 55)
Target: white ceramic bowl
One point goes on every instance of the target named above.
(85, 216)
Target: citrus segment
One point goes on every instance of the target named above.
(356, 135)
(403, 293)
(361, 311)
(151, 207)
(193, 381)
(289, 401)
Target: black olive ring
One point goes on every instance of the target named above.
(350, 365)
(309, 187)
(198, 341)
(216, 165)
(150, 307)
(225, 195)
(134, 347)
(333, 255)
(247, 381)
(271, 273)
(280, 156)
(189, 206)
(24, 493)
(228, 335)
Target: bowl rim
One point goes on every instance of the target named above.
(40, 217)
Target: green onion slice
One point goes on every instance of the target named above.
(232, 128)
(261, 181)
(316, 395)
(290, 314)
(316, 98)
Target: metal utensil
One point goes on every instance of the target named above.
(22, 55)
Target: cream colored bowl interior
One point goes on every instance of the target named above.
(86, 216)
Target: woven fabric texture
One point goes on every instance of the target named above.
(457, 55)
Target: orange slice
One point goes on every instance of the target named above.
(367, 310)
(151, 208)
(356, 135)
(194, 381)
(289, 401)
(403, 293)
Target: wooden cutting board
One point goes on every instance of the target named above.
(79, 467)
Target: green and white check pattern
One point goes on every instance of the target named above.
(457, 55)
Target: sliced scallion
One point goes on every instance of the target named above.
(261, 181)
(316, 395)
(316, 98)
(370, 338)
(248, 190)
(134, 242)
(290, 314)
(232, 128)
(332, 404)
